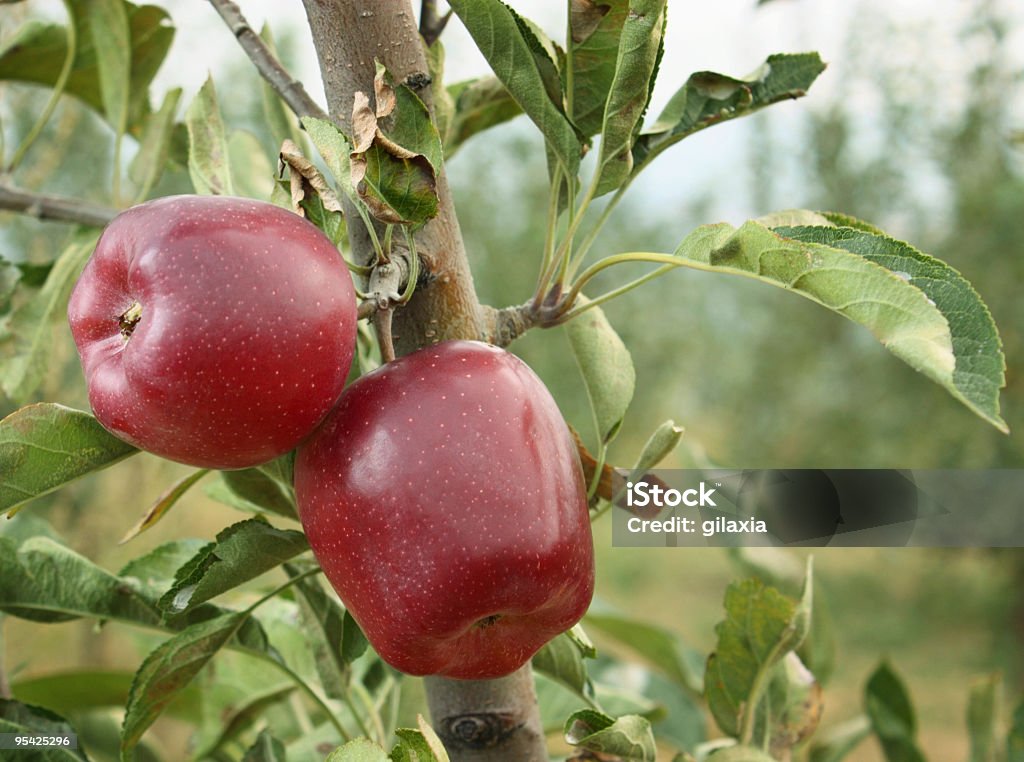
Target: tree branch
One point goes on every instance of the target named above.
(290, 89)
(47, 207)
(431, 23)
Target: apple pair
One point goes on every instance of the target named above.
(442, 495)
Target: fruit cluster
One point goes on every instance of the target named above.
(441, 494)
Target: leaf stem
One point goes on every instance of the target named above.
(296, 678)
(609, 295)
(632, 256)
(58, 89)
(588, 241)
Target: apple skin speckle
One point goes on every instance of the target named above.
(450, 513)
(241, 334)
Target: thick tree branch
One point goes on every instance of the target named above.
(47, 207)
(290, 89)
(479, 720)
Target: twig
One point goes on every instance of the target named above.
(431, 23)
(47, 207)
(366, 309)
(290, 89)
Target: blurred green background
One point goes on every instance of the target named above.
(758, 377)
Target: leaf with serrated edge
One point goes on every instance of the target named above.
(561, 659)
(242, 552)
(760, 628)
(44, 581)
(208, 158)
(709, 98)
(979, 367)
(45, 446)
(500, 38)
(896, 311)
(154, 146)
(358, 750)
(36, 52)
(629, 737)
(334, 148)
(26, 339)
(479, 105)
(607, 369)
(168, 669)
(660, 647)
(24, 719)
(638, 53)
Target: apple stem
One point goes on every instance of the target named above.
(382, 323)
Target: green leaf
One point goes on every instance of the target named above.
(256, 487)
(252, 174)
(265, 749)
(511, 49)
(359, 750)
(740, 754)
(562, 659)
(279, 118)
(163, 504)
(82, 690)
(638, 54)
(596, 27)
(44, 581)
(760, 628)
(45, 446)
(607, 369)
(834, 744)
(411, 127)
(661, 648)
(242, 552)
(441, 97)
(898, 312)
(334, 148)
(794, 706)
(891, 714)
(1015, 738)
(168, 669)
(25, 719)
(629, 737)
(25, 341)
(36, 53)
(155, 144)
(479, 104)
(208, 157)
(153, 573)
(10, 276)
(107, 23)
(659, 446)
(398, 191)
(418, 745)
(335, 638)
(978, 372)
(708, 98)
(983, 711)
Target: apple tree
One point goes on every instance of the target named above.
(288, 672)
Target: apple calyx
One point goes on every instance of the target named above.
(129, 319)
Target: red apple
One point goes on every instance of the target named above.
(213, 331)
(445, 501)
